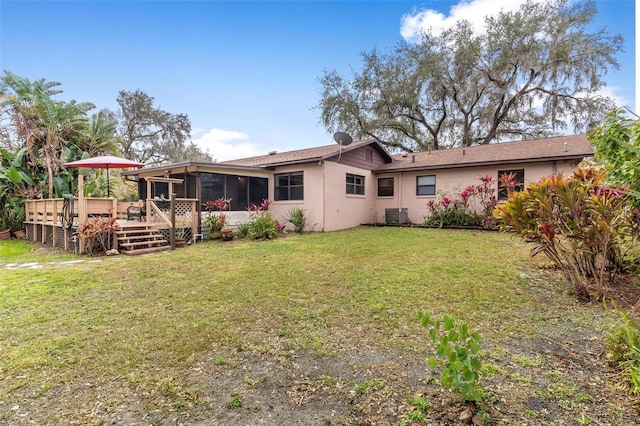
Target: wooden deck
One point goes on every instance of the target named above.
(47, 220)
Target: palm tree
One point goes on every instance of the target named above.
(63, 122)
(42, 125)
(22, 108)
(101, 135)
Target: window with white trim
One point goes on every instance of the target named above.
(289, 186)
(426, 185)
(355, 184)
(385, 187)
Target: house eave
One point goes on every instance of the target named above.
(190, 167)
(481, 163)
(334, 153)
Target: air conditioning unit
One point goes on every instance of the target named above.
(396, 216)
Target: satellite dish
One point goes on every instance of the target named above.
(342, 138)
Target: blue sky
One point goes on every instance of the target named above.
(244, 72)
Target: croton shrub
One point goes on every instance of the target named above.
(580, 222)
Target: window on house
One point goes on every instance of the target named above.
(426, 185)
(289, 186)
(385, 187)
(518, 177)
(355, 184)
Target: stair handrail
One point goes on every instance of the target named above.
(160, 214)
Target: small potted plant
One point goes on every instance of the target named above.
(215, 223)
(16, 218)
(226, 234)
(5, 231)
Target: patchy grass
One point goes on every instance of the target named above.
(20, 251)
(325, 323)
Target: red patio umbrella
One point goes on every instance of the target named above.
(106, 162)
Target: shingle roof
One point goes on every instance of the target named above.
(548, 149)
(298, 156)
(577, 147)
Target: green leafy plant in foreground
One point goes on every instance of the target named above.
(457, 350)
(297, 218)
(216, 221)
(263, 227)
(623, 350)
(235, 401)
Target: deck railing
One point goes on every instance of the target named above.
(46, 215)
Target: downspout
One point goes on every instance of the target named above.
(400, 190)
(199, 198)
(324, 193)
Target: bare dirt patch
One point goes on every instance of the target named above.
(356, 374)
(556, 377)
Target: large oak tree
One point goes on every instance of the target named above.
(151, 135)
(530, 73)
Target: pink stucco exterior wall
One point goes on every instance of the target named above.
(329, 208)
(312, 203)
(452, 181)
(326, 204)
(344, 210)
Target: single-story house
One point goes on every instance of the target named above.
(361, 183)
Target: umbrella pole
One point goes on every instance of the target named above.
(108, 186)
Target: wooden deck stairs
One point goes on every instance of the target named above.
(140, 238)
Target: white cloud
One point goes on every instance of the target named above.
(197, 131)
(225, 144)
(474, 11)
(613, 92)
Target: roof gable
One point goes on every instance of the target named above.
(328, 152)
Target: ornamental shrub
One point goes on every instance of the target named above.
(473, 206)
(221, 204)
(97, 234)
(297, 218)
(216, 221)
(450, 212)
(579, 222)
(263, 226)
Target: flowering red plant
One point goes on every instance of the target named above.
(432, 205)
(216, 222)
(263, 206)
(220, 204)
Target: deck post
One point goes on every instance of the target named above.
(147, 217)
(114, 216)
(172, 231)
(54, 222)
(43, 224)
(82, 209)
(194, 219)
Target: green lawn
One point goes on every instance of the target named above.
(81, 342)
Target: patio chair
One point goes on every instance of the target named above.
(135, 211)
